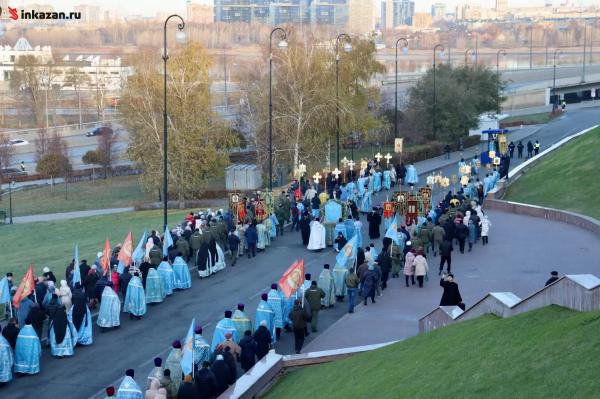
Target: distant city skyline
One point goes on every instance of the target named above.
(150, 8)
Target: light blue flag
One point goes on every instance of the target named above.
(138, 253)
(187, 357)
(76, 272)
(392, 231)
(4, 291)
(167, 241)
(348, 252)
(120, 267)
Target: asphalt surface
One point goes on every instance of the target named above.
(136, 343)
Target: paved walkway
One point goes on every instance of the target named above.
(49, 217)
(518, 259)
(548, 108)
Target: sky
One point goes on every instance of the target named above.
(151, 7)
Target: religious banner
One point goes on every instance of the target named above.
(333, 211)
(412, 211)
(292, 279)
(260, 210)
(398, 145)
(425, 200)
(388, 209)
(401, 199)
(25, 288)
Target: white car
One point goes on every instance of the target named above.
(15, 142)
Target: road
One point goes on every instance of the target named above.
(136, 343)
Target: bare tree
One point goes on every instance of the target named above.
(53, 157)
(106, 151)
(77, 79)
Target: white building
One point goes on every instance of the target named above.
(103, 72)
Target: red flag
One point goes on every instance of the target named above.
(25, 288)
(105, 261)
(292, 279)
(126, 250)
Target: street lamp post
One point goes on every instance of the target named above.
(282, 44)
(347, 48)
(503, 52)
(467, 51)
(556, 52)
(10, 186)
(530, 47)
(476, 53)
(165, 56)
(404, 50)
(433, 121)
(584, 48)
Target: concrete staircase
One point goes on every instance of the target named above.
(579, 292)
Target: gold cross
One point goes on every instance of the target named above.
(336, 172)
(316, 177)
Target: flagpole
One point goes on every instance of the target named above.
(10, 308)
(35, 296)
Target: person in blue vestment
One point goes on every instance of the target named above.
(135, 298)
(226, 325)
(362, 184)
(349, 228)
(370, 182)
(129, 389)
(274, 224)
(7, 361)
(28, 350)
(63, 335)
(376, 181)
(366, 203)
(339, 278)
(201, 347)
(155, 290)
(387, 179)
(327, 284)
(487, 184)
(274, 299)
(81, 317)
(350, 188)
(412, 177)
(358, 232)
(241, 320)
(461, 163)
(340, 227)
(165, 271)
(264, 312)
(474, 170)
(183, 279)
(110, 309)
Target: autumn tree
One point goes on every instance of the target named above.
(304, 101)
(53, 159)
(198, 143)
(77, 79)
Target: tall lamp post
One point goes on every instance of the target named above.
(180, 37)
(467, 51)
(530, 28)
(10, 186)
(584, 50)
(347, 48)
(476, 53)
(433, 121)
(503, 52)
(282, 44)
(404, 50)
(557, 52)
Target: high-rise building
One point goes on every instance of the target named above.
(361, 16)
(438, 11)
(289, 12)
(330, 12)
(397, 12)
(501, 5)
(89, 13)
(242, 11)
(199, 13)
(422, 20)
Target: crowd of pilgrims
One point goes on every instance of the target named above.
(203, 240)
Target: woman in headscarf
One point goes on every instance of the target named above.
(81, 317)
(64, 292)
(90, 286)
(153, 391)
(63, 335)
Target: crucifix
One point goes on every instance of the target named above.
(336, 172)
(378, 157)
(316, 177)
(351, 166)
(388, 157)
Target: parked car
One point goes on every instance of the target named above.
(15, 142)
(12, 172)
(99, 131)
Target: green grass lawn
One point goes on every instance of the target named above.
(531, 119)
(114, 192)
(566, 179)
(51, 243)
(548, 353)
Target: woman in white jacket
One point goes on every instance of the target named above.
(421, 268)
(64, 294)
(485, 229)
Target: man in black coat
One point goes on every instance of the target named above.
(384, 260)
(222, 374)
(249, 347)
(263, 338)
(446, 254)
(374, 219)
(461, 232)
(124, 282)
(400, 173)
(11, 332)
(299, 318)
(451, 295)
(206, 382)
(37, 316)
(231, 363)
